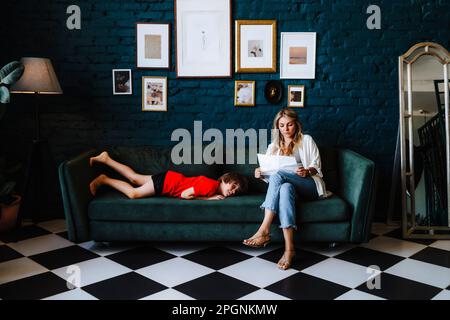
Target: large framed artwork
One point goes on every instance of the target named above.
(256, 43)
(154, 94)
(153, 45)
(203, 38)
(298, 55)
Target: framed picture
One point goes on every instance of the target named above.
(256, 43)
(203, 38)
(154, 94)
(298, 55)
(296, 96)
(244, 93)
(153, 45)
(122, 82)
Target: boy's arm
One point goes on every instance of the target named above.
(188, 194)
(214, 197)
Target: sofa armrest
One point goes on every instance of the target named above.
(74, 177)
(357, 187)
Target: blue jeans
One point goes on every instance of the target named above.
(284, 187)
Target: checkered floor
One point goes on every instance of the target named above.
(43, 264)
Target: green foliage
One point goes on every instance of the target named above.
(9, 74)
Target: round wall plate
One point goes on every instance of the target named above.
(273, 91)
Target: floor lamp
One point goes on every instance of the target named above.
(39, 78)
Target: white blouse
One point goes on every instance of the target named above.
(307, 154)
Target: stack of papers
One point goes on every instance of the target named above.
(270, 164)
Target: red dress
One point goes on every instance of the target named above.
(175, 183)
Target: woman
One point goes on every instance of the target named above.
(284, 186)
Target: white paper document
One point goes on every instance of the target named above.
(270, 164)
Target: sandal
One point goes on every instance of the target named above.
(285, 263)
(261, 241)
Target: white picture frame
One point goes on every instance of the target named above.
(256, 46)
(122, 82)
(296, 96)
(298, 55)
(154, 94)
(152, 45)
(203, 38)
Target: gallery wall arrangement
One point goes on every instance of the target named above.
(203, 46)
(233, 69)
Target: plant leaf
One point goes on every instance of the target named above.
(4, 94)
(11, 72)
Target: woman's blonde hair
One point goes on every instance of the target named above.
(278, 139)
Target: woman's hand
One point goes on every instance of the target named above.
(302, 172)
(258, 173)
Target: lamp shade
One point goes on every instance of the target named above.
(38, 77)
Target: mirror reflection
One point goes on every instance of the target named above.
(426, 190)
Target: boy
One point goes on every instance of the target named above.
(168, 183)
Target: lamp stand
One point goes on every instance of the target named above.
(40, 177)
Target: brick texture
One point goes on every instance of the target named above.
(352, 103)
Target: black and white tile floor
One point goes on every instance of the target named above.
(43, 262)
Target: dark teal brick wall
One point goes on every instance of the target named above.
(352, 102)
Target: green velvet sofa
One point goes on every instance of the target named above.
(110, 216)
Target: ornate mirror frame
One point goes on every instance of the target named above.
(409, 227)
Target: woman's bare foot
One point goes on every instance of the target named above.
(96, 183)
(286, 260)
(102, 157)
(259, 239)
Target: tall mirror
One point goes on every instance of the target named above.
(425, 141)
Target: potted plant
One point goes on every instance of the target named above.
(9, 201)
(9, 204)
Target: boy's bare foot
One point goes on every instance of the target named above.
(96, 183)
(286, 260)
(259, 239)
(102, 157)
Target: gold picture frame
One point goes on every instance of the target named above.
(154, 94)
(296, 96)
(242, 92)
(254, 56)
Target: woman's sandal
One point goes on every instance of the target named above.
(285, 263)
(259, 244)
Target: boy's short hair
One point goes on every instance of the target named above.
(237, 178)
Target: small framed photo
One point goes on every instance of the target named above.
(298, 55)
(256, 45)
(153, 45)
(296, 96)
(203, 38)
(122, 82)
(154, 94)
(244, 93)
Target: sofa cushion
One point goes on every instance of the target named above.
(333, 209)
(113, 206)
(330, 168)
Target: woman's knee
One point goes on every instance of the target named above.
(287, 188)
(277, 177)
